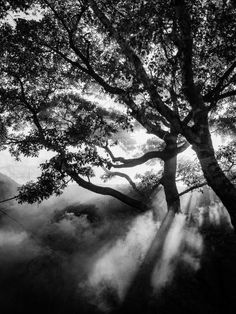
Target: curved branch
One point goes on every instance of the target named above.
(141, 207)
(122, 175)
(113, 158)
(132, 162)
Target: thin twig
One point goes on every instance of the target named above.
(9, 199)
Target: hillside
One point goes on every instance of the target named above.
(8, 187)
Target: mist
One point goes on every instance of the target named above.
(83, 253)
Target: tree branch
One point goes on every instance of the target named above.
(132, 162)
(164, 110)
(85, 184)
(141, 207)
(139, 115)
(227, 94)
(194, 187)
(183, 147)
(85, 59)
(57, 15)
(122, 175)
(62, 55)
(31, 109)
(8, 199)
(214, 93)
(185, 46)
(89, 71)
(188, 118)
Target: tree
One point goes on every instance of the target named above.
(63, 122)
(34, 94)
(170, 63)
(180, 36)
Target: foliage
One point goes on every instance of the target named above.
(227, 158)
(189, 172)
(148, 182)
(225, 123)
(169, 63)
(6, 6)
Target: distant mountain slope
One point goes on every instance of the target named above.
(8, 187)
(72, 195)
(195, 203)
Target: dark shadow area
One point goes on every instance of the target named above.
(98, 257)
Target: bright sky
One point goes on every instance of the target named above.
(27, 169)
(33, 14)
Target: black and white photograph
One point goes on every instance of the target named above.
(117, 157)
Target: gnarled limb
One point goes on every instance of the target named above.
(132, 162)
(141, 207)
(122, 175)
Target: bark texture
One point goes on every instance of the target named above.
(169, 184)
(169, 175)
(216, 179)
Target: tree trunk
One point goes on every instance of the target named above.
(216, 178)
(141, 288)
(169, 184)
(169, 175)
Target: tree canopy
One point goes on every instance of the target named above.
(171, 64)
